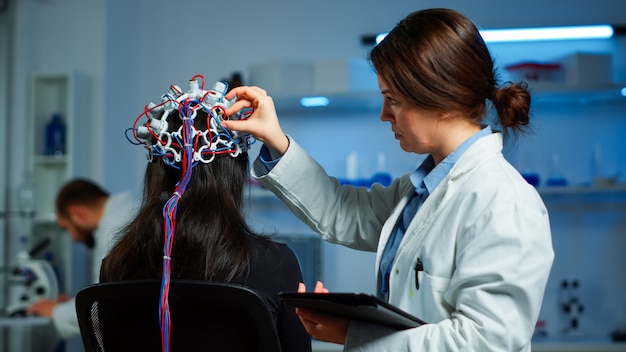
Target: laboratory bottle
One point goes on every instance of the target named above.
(556, 177)
(381, 175)
(55, 135)
(528, 172)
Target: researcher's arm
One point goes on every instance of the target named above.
(63, 314)
(350, 216)
(340, 214)
(65, 319)
(62, 311)
(45, 306)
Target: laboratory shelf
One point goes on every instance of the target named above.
(52, 160)
(594, 198)
(46, 220)
(263, 200)
(615, 194)
(548, 93)
(617, 189)
(543, 94)
(28, 321)
(365, 101)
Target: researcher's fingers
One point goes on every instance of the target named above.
(259, 90)
(301, 287)
(37, 306)
(245, 92)
(237, 106)
(238, 125)
(309, 325)
(32, 308)
(322, 326)
(262, 123)
(249, 97)
(319, 288)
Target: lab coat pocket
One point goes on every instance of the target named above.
(427, 301)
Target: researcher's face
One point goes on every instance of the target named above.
(77, 232)
(416, 129)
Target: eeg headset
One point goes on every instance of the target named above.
(182, 149)
(205, 145)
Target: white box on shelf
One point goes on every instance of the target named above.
(588, 69)
(343, 76)
(530, 71)
(282, 77)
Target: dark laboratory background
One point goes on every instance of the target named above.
(95, 65)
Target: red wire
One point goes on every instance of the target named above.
(199, 76)
(176, 89)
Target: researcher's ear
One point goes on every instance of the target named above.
(78, 214)
(444, 115)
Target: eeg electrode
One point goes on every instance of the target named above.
(175, 103)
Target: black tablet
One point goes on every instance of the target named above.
(354, 305)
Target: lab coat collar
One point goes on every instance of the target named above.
(484, 148)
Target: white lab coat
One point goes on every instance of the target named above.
(483, 236)
(119, 210)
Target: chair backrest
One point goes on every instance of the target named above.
(205, 316)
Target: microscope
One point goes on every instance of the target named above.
(32, 279)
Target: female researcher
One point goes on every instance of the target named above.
(210, 239)
(462, 242)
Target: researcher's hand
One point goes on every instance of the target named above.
(45, 307)
(321, 326)
(262, 123)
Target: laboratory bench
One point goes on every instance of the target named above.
(19, 322)
(19, 332)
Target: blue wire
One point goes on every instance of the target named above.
(186, 110)
(127, 138)
(169, 212)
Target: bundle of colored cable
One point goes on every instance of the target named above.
(169, 223)
(182, 149)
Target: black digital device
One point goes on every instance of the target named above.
(359, 306)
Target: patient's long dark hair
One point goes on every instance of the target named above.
(210, 242)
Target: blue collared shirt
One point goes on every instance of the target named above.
(425, 179)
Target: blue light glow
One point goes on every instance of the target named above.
(310, 102)
(380, 37)
(623, 91)
(547, 33)
(602, 31)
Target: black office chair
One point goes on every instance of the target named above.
(205, 316)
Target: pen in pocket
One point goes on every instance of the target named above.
(418, 267)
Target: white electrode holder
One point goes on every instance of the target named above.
(216, 139)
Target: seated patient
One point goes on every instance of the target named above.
(191, 224)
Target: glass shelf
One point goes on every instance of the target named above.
(596, 198)
(605, 198)
(59, 160)
(337, 102)
(544, 93)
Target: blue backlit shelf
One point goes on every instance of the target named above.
(337, 102)
(587, 198)
(543, 94)
(546, 93)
